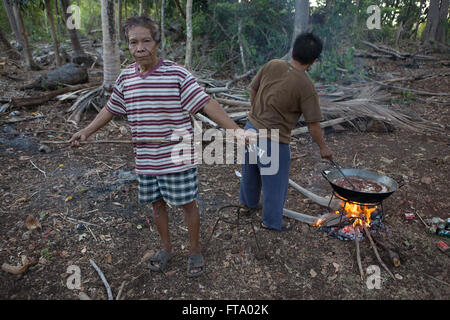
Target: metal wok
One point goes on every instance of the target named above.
(358, 196)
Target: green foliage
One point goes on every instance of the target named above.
(266, 29)
(334, 67)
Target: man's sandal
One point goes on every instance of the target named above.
(246, 211)
(159, 261)
(195, 262)
(284, 226)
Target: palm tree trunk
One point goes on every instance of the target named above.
(11, 53)
(163, 38)
(48, 8)
(73, 33)
(111, 56)
(31, 65)
(119, 20)
(13, 23)
(188, 59)
(301, 22)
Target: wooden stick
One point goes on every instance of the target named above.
(376, 252)
(42, 171)
(395, 258)
(102, 276)
(41, 99)
(113, 141)
(419, 92)
(421, 219)
(323, 125)
(358, 254)
(120, 290)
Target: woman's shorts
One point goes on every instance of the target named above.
(175, 188)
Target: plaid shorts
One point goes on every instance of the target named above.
(175, 188)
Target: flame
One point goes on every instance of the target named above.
(360, 213)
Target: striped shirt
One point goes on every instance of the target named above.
(157, 106)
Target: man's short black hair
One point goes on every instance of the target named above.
(307, 48)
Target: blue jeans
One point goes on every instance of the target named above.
(274, 185)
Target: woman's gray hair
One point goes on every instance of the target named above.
(142, 21)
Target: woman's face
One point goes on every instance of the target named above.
(142, 46)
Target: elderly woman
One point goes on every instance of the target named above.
(157, 96)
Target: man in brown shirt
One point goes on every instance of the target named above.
(280, 93)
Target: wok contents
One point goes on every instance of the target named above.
(362, 185)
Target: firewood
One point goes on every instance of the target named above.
(393, 255)
(41, 99)
(376, 252)
(358, 254)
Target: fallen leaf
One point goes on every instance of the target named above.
(385, 160)
(32, 223)
(18, 269)
(426, 180)
(83, 296)
(23, 200)
(313, 273)
(64, 254)
(108, 258)
(332, 277)
(336, 266)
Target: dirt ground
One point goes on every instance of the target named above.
(86, 212)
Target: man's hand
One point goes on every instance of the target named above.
(78, 137)
(246, 136)
(325, 153)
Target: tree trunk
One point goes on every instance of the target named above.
(111, 56)
(119, 20)
(443, 14)
(163, 38)
(73, 33)
(301, 23)
(145, 8)
(141, 5)
(188, 59)
(13, 23)
(241, 48)
(6, 47)
(31, 65)
(48, 9)
(180, 9)
(416, 29)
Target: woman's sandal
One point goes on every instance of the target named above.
(195, 262)
(162, 257)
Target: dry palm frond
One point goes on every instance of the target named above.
(371, 103)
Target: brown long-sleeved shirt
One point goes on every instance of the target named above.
(283, 94)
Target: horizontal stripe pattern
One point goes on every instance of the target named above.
(157, 106)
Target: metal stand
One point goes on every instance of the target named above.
(237, 221)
